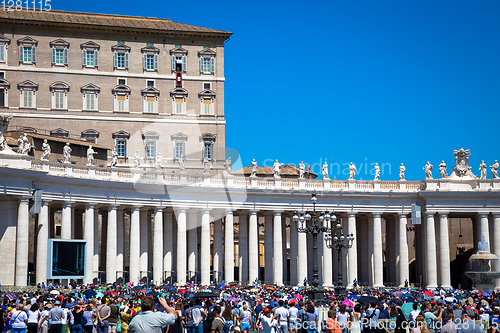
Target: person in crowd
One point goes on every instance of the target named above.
(150, 321)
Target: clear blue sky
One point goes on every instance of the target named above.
(360, 80)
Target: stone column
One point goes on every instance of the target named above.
(444, 250)
(192, 233)
(158, 246)
(217, 256)
(228, 247)
(96, 244)
(302, 257)
(22, 237)
(205, 247)
(143, 260)
(268, 249)
(119, 243)
(135, 245)
(168, 244)
(430, 251)
(253, 247)
(277, 249)
(496, 245)
(243, 247)
(294, 253)
(404, 269)
(484, 228)
(284, 247)
(66, 220)
(378, 262)
(41, 249)
(88, 235)
(181, 246)
(327, 262)
(352, 262)
(371, 269)
(111, 245)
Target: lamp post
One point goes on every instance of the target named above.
(339, 242)
(310, 222)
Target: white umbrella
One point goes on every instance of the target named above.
(54, 292)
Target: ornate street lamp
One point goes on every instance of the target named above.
(339, 242)
(314, 223)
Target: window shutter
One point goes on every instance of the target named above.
(33, 56)
(96, 58)
(21, 51)
(65, 55)
(212, 65)
(120, 97)
(179, 100)
(2, 52)
(53, 55)
(173, 62)
(184, 63)
(84, 57)
(126, 60)
(144, 60)
(150, 99)
(115, 56)
(201, 65)
(156, 62)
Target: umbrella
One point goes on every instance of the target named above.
(406, 295)
(486, 294)
(137, 288)
(254, 290)
(419, 298)
(189, 294)
(204, 295)
(171, 288)
(299, 297)
(354, 297)
(398, 293)
(450, 299)
(292, 301)
(429, 293)
(233, 299)
(395, 301)
(90, 294)
(348, 303)
(182, 291)
(11, 296)
(406, 309)
(222, 285)
(365, 300)
(54, 292)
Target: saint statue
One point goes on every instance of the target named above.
(46, 150)
(114, 158)
(182, 165)
(482, 245)
(302, 170)
(90, 155)
(442, 170)
(137, 159)
(352, 171)
(377, 171)
(228, 166)
(4, 125)
(206, 166)
(482, 168)
(67, 152)
(20, 145)
(254, 169)
(158, 160)
(494, 170)
(428, 170)
(277, 169)
(324, 170)
(402, 170)
(26, 147)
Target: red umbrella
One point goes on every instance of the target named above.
(182, 291)
(428, 293)
(292, 301)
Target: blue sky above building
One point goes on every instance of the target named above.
(363, 81)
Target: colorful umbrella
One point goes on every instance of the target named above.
(354, 297)
(299, 297)
(292, 301)
(348, 303)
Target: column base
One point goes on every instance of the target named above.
(378, 286)
(432, 286)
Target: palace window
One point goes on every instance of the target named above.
(90, 135)
(150, 57)
(90, 54)
(121, 138)
(208, 150)
(121, 56)
(59, 95)
(28, 94)
(4, 42)
(4, 87)
(27, 50)
(207, 99)
(150, 139)
(179, 145)
(90, 97)
(207, 140)
(207, 61)
(121, 93)
(179, 96)
(59, 52)
(179, 59)
(150, 96)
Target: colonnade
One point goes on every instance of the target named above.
(181, 241)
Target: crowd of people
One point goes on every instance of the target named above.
(232, 308)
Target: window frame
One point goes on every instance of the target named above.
(176, 94)
(207, 55)
(5, 86)
(179, 139)
(24, 44)
(87, 89)
(121, 96)
(26, 86)
(90, 47)
(150, 137)
(124, 141)
(178, 52)
(4, 45)
(121, 50)
(57, 88)
(208, 139)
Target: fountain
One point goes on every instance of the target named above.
(481, 274)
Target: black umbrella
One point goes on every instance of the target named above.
(365, 300)
(395, 301)
(204, 294)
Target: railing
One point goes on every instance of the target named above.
(101, 172)
(241, 181)
(267, 182)
(365, 185)
(125, 174)
(289, 183)
(339, 184)
(148, 176)
(81, 171)
(57, 167)
(389, 185)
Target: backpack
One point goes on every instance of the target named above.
(228, 326)
(208, 320)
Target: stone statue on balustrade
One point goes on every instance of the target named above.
(277, 169)
(228, 166)
(158, 161)
(90, 155)
(324, 170)
(114, 158)
(482, 169)
(428, 170)
(23, 145)
(442, 170)
(137, 159)
(254, 169)
(376, 168)
(4, 124)
(206, 166)
(494, 170)
(67, 152)
(302, 170)
(182, 164)
(402, 170)
(352, 171)
(462, 170)
(46, 150)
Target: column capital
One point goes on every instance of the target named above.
(66, 204)
(483, 214)
(377, 214)
(443, 214)
(112, 206)
(277, 212)
(349, 214)
(90, 205)
(401, 214)
(429, 214)
(495, 214)
(158, 209)
(229, 212)
(254, 211)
